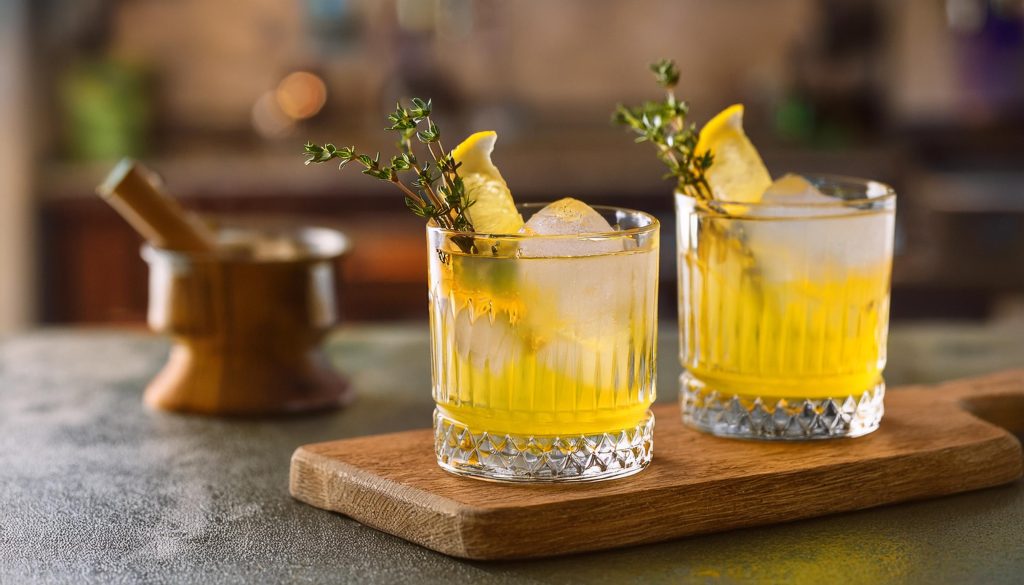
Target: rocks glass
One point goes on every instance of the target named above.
(543, 350)
(783, 311)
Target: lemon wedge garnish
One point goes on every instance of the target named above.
(737, 174)
(493, 211)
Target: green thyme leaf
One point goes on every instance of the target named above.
(664, 125)
(439, 194)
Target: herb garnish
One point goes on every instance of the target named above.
(436, 191)
(664, 125)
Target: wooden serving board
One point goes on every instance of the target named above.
(932, 442)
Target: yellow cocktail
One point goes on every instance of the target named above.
(543, 350)
(784, 310)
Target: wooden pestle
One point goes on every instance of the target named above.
(131, 190)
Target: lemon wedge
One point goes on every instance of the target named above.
(493, 211)
(737, 174)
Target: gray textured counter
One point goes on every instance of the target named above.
(97, 488)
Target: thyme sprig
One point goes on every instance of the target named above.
(663, 124)
(431, 186)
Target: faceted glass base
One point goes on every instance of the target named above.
(779, 419)
(542, 458)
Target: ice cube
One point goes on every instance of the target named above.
(581, 309)
(488, 342)
(816, 234)
(791, 189)
(584, 311)
(603, 362)
(789, 186)
(567, 217)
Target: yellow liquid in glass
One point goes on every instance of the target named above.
(544, 346)
(784, 323)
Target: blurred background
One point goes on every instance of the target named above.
(218, 97)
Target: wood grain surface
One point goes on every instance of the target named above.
(248, 329)
(933, 441)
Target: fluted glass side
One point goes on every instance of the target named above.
(784, 309)
(546, 345)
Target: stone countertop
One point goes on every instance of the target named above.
(98, 489)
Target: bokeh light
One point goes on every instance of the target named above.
(301, 95)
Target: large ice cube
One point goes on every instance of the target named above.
(566, 292)
(807, 233)
(573, 292)
(567, 217)
(585, 311)
(582, 310)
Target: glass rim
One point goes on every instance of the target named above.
(874, 192)
(652, 225)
